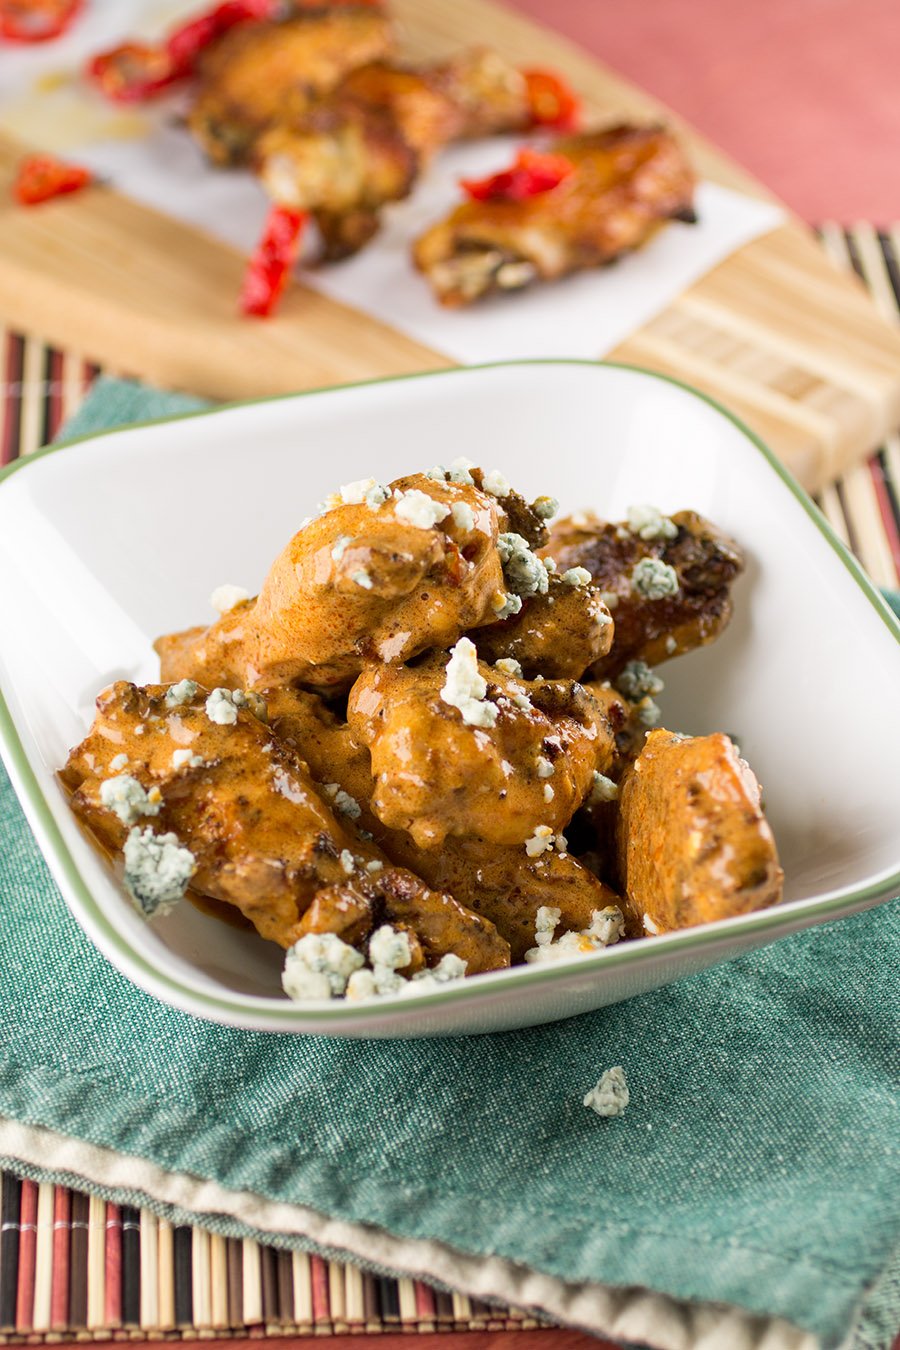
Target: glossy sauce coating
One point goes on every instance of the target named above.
(693, 842)
(263, 837)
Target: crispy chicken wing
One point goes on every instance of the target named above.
(258, 74)
(669, 592)
(504, 884)
(205, 769)
(693, 842)
(506, 765)
(364, 144)
(625, 182)
(362, 582)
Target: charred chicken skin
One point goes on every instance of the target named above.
(364, 144)
(668, 588)
(617, 188)
(262, 837)
(693, 842)
(259, 74)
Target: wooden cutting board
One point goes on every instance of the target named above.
(776, 332)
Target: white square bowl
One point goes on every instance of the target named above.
(120, 537)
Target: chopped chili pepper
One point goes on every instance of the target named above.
(41, 177)
(532, 173)
(36, 20)
(553, 103)
(132, 72)
(272, 261)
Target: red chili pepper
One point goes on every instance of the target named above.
(272, 261)
(132, 72)
(36, 20)
(41, 177)
(186, 43)
(553, 103)
(532, 173)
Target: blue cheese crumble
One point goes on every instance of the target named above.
(389, 947)
(348, 862)
(524, 572)
(648, 713)
(609, 1096)
(340, 546)
(342, 801)
(576, 576)
(363, 491)
(182, 758)
(545, 767)
(225, 598)
(496, 484)
(545, 507)
(636, 680)
(157, 870)
(223, 704)
(510, 666)
(463, 516)
(654, 579)
(118, 762)
(606, 927)
(177, 695)
(127, 799)
(319, 965)
(648, 522)
(465, 687)
(505, 606)
(603, 789)
(362, 578)
(540, 842)
(420, 510)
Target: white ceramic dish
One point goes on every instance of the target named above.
(124, 536)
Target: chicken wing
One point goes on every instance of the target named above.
(261, 73)
(462, 748)
(693, 843)
(364, 144)
(383, 574)
(668, 588)
(204, 771)
(624, 183)
(503, 884)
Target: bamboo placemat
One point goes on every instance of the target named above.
(75, 1267)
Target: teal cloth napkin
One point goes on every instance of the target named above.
(757, 1165)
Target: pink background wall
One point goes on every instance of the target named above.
(804, 93)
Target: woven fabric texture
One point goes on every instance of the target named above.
(757, 1164)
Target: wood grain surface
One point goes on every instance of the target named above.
(776, 332)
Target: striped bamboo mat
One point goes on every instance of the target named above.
(75, 1267)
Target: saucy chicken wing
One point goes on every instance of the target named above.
(382, 574)
(364, 144)
(176, 775)
(504, 884)
(609, 193)
(258, 74)
(667, 581)
(693, 843)
(462, 748)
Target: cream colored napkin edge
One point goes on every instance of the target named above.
(634, 1315)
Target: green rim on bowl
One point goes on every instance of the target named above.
(108, 937)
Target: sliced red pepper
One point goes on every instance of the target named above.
(37, 20)
(132, 72)
(532, 173)
(41, 177)
(553, 103)
(272, 261)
